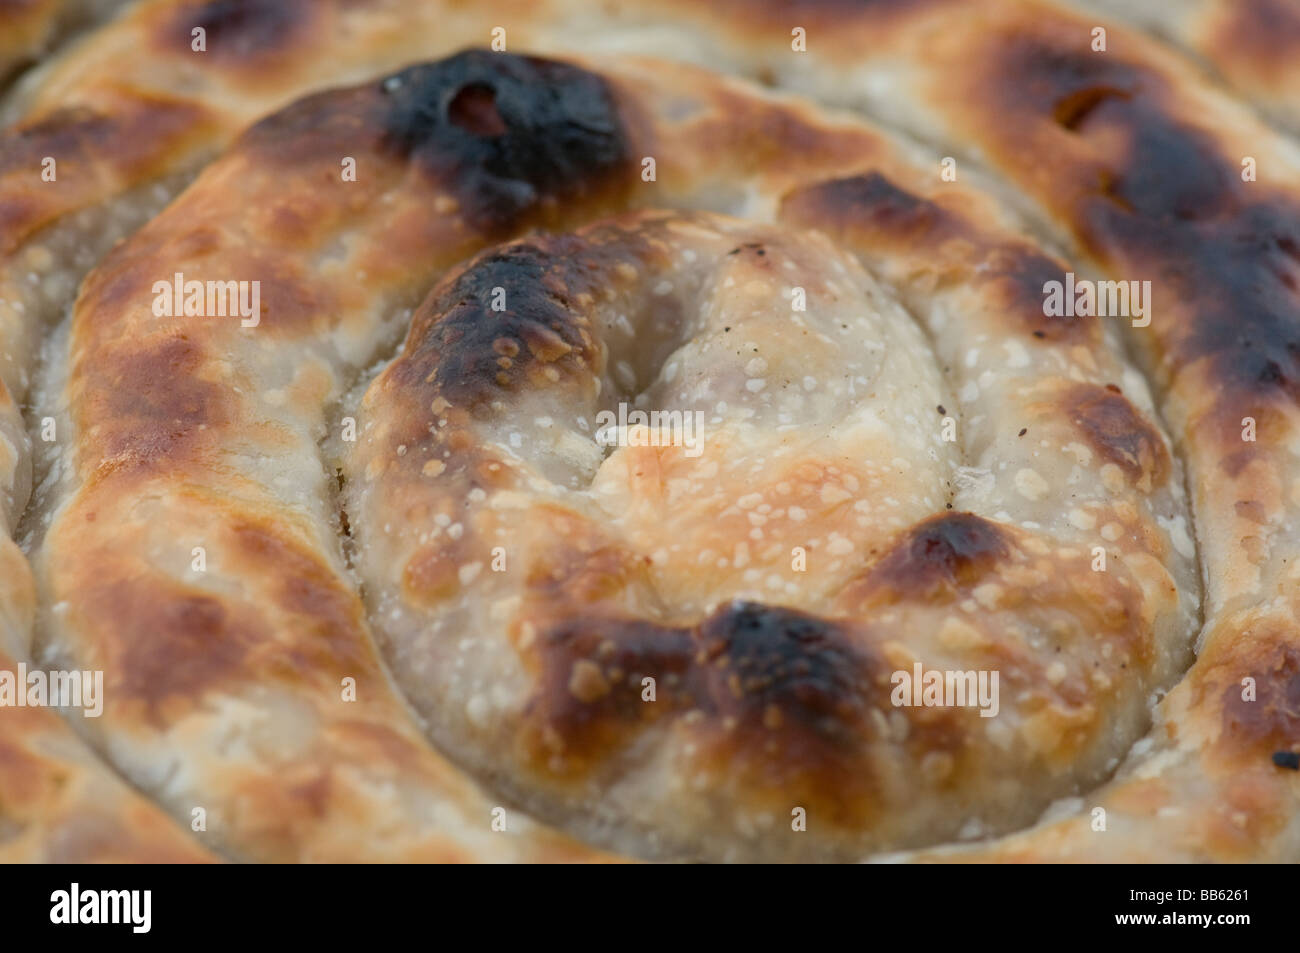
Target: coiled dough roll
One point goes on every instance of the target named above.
(516, 689)
(824, 432)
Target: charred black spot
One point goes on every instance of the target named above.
(770, 662)
(506, 132)
(1172, 171)
(944, 555)
(1287, 759)
(1115, 430)
(498, 321)
(238, 29)
(474, 109)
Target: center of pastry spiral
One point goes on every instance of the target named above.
(603, 627)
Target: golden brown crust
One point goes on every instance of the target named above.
(62, 805)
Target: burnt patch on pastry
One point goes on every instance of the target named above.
(325, 124)
(507, 134)
(137, 140)
(1169, 170)
(775, 666)
(470, 353)
(181, 643)
(1172, 172)
(748, 669)
(474, 352)
(1272, 719)
(790, 697)
(1115, 429)
(1245, 275)
(937, 559)
(1057, 76)
(588, 698)
(1173, 205)
(237, 30)
(872, 210)
(1022, 274)
(872, 203)
(63, 132)
(151, 404)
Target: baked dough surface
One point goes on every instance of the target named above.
(363, 580)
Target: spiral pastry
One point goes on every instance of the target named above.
(555, 450)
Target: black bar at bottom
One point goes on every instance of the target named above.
(440, 906)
